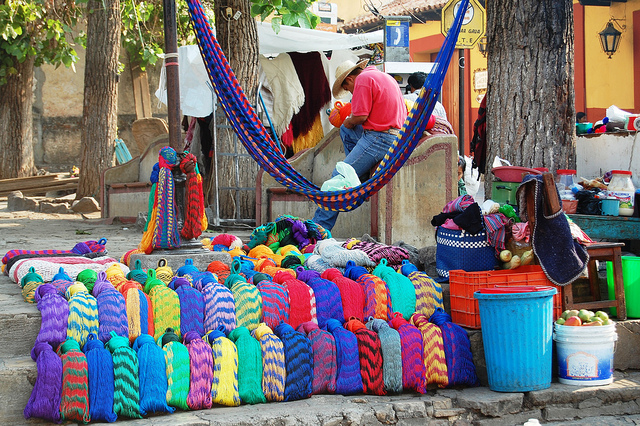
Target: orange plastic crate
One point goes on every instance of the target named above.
(462, 285)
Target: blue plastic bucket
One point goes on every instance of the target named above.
(585, 354)
(517, 330)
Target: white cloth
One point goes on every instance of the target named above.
(286, 92)
(437, 110)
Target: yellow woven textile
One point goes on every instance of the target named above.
(434, 357)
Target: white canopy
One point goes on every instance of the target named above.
(293, 39)
(194, 99)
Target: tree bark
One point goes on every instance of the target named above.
(100, 107)
(239, 41)
(16, 122)
(530, 104)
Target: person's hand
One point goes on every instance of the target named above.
(348, 123)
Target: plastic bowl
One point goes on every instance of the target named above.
(582, 128)
(513, 173)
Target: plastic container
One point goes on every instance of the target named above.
(463, 285)
(621, 187)
(585, 354)
(565, 177)
(517, 337)
(631, 280)
(610, 207)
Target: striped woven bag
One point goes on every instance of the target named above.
(137, 273)
(61, 281)
(88, 277)
(370, 354)
(126, 395)
(298, 363)
(139, 311)
(164, 272)
(413, 368)
(152, 374)
(201, 369)
(74, 404)
(376, 292)
(249, 366)
(391, 354)
(273, 363)
(44, 401)
(202, 279)
(220, 269)
(191, 306)
(275, 302)
(219, 307)
(101, 380)
(176, 357)
(83, 314)
(302, 300)
(323, 346)
(348, 377)
(434, 356)
(461, 370)
(247, 299)
(351, 294)
(112, 309)
(165, 303)
(224, 387)
(29, 283)
(428, 291)
(328, 302)
(401, 290)
(54, 312)
(188, 270)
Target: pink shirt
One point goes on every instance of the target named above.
(377, 95)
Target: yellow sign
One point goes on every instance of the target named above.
(473, 24)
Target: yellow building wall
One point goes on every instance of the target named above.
(609, 81)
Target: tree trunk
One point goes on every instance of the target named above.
(530, 104)
(239, 41)
(100, 110)
(16, 122)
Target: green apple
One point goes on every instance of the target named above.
(583, 314)
(560, 321)
(565, 314)
(572, 313)
(602, 314)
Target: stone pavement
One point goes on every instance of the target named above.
(614, 404)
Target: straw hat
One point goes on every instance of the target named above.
(343, 70)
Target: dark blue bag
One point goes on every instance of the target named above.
(461, 250)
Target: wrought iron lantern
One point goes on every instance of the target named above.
(482, 46)
(610, 39)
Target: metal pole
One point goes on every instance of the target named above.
(173, 113)
(172, 71)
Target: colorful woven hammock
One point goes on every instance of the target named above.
(266, 151)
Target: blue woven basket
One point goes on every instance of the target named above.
(461, 250)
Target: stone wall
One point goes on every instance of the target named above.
(57, 112)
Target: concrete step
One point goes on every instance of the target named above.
(601, 405)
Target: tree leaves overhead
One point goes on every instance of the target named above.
(37, 28)
(293, 13)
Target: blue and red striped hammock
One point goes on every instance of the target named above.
(266, 152)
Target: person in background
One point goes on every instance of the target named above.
(462, 166)
(581, 117)
(414, 84)
(377, 114)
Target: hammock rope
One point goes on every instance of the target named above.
(266, 152)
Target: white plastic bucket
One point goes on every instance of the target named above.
(585, 354)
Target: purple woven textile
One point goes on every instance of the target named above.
(44, 401)
(54, 310)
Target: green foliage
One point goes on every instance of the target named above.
(143, 29)
(294, 13)
(41, 29)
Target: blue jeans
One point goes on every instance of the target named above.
(363, 150)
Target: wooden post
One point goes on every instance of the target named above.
(171, 68)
